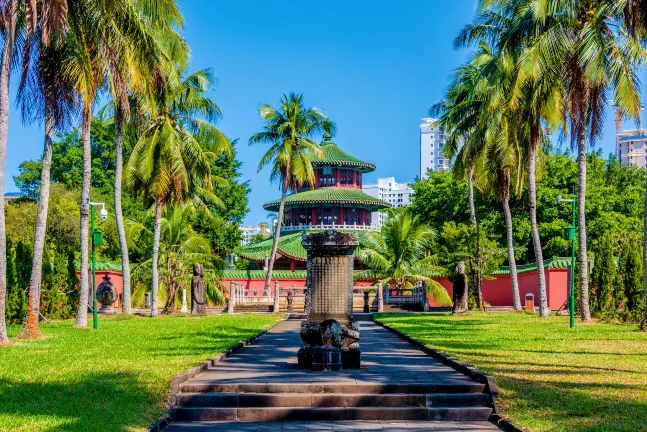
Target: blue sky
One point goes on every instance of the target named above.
(374, 67)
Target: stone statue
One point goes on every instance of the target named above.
(198, 298)
(366, 307)
(290, 300)
(106, 295)
(460, 289)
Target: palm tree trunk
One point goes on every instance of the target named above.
(275, 244)
(121, 231)
(33, 308)
(516, 299)
(82, 311)
(644, 323)
(478, 286)
(585, 310)
(154, 261)
(5, 72)
(534, 230)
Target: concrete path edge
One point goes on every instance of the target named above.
(465, 369)
(177, 380)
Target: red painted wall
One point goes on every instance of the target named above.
(496, 292)
(115, 277)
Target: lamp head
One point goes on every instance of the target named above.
(103, 214)
(559, 198)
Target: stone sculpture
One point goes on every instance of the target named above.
(106, 295)
(198, 298)
(329, 334)
(460, 289)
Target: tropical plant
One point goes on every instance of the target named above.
(399, 254)
(171, 160)
(603, 277)
(181, 247)
(288, 130)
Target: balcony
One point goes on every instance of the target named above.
(322, 226)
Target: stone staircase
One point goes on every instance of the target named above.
(299, 402)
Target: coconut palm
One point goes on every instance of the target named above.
(399, 254)
(535, 98)
(289, 130)
(171, 160)
(181, 247)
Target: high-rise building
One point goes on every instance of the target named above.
(249, 231)
(387, 189)
(631, 146)
(432, 144)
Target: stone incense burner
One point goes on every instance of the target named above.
(329, 334)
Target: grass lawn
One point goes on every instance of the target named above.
(112, 380)
(551, 378)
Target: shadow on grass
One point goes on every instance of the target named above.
(95, 402)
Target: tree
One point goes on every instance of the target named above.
(288, 130)
(171, 160)
(399, 254)
(603, 276)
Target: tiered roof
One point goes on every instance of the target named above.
(330, 195)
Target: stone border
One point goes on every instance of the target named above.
(465, 369)
(177, 380)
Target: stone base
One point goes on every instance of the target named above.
(106, 309)
(351, 359)
(320, 358)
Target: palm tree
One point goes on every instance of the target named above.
(535, 98)
(9, 14)
(170, 161)
(288, 130)
(398, 254)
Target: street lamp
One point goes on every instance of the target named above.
(97, 239)
(569, 234)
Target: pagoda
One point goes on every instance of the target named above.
(336, 202)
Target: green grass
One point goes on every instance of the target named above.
(551, 378)
(115, 379)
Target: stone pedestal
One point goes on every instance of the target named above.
(330, 337)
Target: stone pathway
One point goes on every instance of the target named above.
(262, 382)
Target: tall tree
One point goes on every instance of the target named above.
(8, 15)
(288, 130)
(171, 160)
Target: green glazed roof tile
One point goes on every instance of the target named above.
(330, 195)
(555, 262)
(336, 156)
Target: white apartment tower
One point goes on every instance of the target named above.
(631, 146)
(432, 143)
(387, 189)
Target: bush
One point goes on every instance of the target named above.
(630, 278)
(604, 272)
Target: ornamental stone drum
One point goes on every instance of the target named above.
(106, 295)
(329, 334)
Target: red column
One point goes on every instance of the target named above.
(314, 216)
(341, 216)
(355, 179)
(338, 177)
(362, 215)
(291, 217)
(292, 266)
(316, 178)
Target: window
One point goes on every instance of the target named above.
(328, 176)
(327, 215)
(367, 218)
(359, 179)
(352, 216)
(346, 177)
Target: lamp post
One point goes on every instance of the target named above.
(97, 239)
(569, 234)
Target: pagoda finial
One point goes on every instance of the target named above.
(329, 131)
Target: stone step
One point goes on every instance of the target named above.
(302, 400)
(459, 414)
(331, 414)
(444, 400)
(195, 386)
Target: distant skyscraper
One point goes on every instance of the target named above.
(387, 189)
(432, 143)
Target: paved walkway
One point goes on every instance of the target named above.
(272, 362)
(386, 359)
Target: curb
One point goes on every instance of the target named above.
(465, 369)
(177, 380)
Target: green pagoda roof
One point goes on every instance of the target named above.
(359, 275)
(333, 155)
(555, 262)
(289, 246)
(330, 195)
